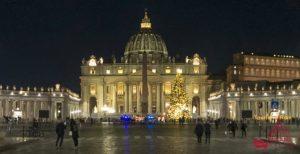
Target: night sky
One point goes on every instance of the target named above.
(42, 42)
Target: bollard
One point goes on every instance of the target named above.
(23, 131)
(260, 129)
(266, 131)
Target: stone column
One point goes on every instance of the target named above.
(163, 105)
(237, 110)
(35, 109)
(158, 101)
(114, 99)
(7, 108)
(203, 107)
(149, 98)
(101, 96)
(53, 110)
(130, 99)
(1, 108)
(138, 99)
(126, 98)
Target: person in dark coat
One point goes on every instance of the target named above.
(60, 131)
(244, 129)
(199, 131)
(207, 132)
(233, 128)
(74, 130)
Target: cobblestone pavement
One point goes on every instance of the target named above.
(150, 139)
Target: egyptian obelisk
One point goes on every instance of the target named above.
(145, 85)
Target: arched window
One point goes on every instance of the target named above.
(263, 61)
(252, 72)
(288, 74)
(267, 62)
(277, 73)
(262, 72)
(273, 73)
(246, 71)
(267, 72)
(257, 72)
(277, 62)
(93, 89)
(257, 61)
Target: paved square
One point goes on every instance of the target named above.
(144, 139)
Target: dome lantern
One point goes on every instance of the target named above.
(146, 24)
(145, 41)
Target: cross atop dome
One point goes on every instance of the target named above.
(146, 24)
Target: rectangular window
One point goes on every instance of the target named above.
(168, 70)
(167, 87)
(120, 88)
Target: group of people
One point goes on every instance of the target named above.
(60, 131)
(203, 128)
(232, 127)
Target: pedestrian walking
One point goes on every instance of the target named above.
(233, 127)
(217, 123)
(199, 131)
(60, 132)
(244, 129)
(207, 132)
(74, 130)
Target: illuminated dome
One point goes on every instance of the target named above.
(146, 41)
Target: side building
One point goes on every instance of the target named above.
(258, 67)
(27, 103)
(254, 81)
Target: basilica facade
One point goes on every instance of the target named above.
(117, 87)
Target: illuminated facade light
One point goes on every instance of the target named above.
(265, 94)
(133, 70)
(120, 71)
(167, 87)
(39, 94)
(294, 92)
(107, 71)
(153, 70)
(92, 71)
(251, 95)
(11, 93)
(279, 93)
(92, 61)
(196, 90)
(168, 70)
(179, 70)
(228, 95)
(236, 94)
(134, 89)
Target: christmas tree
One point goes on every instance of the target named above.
(178, 100)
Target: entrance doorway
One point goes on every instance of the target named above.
(93, 105)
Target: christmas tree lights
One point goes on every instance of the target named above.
(178, 100)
